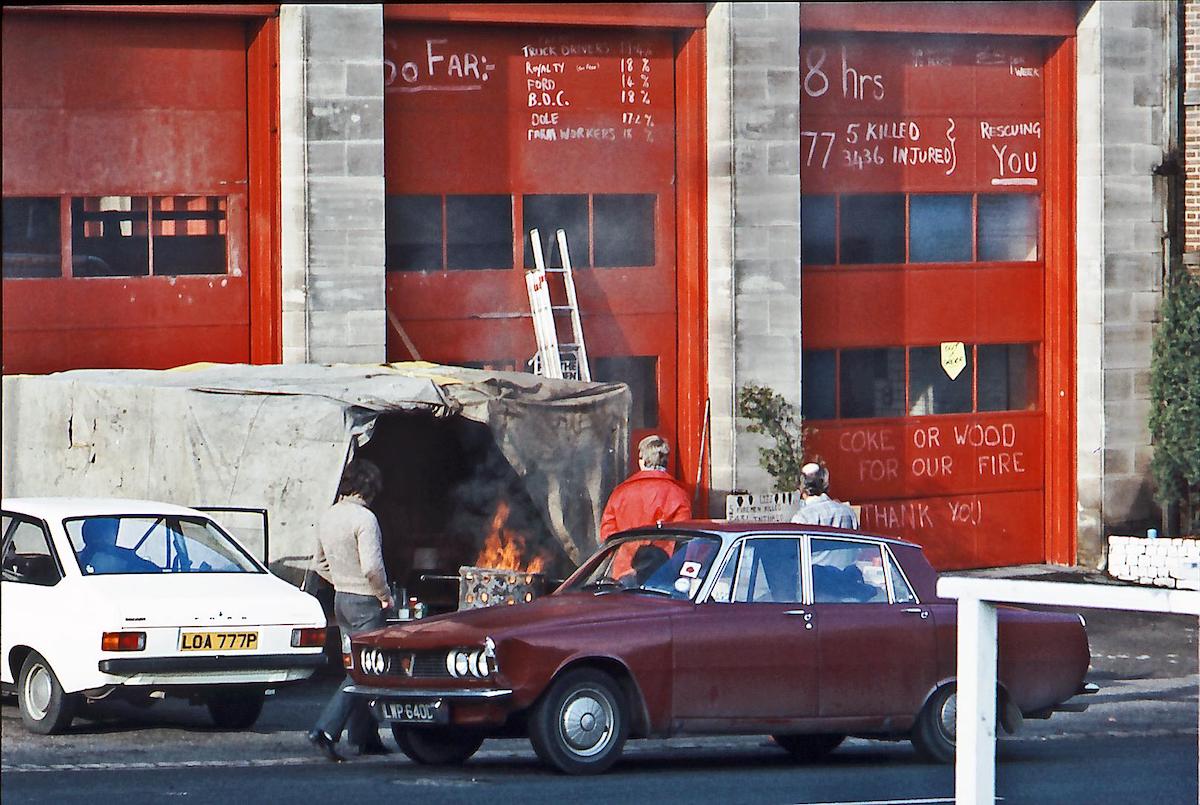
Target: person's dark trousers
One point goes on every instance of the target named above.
(354, 614)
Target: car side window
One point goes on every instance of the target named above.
(722, 591)
(845, 572)
(769, 572)
(900, 587)
(28, 558)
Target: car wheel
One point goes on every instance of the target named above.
(933, 735)
(45, 707)
(436, 746)
(809, 747)
(579, 725)
(236, 711)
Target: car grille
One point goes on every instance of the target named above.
(424, 664)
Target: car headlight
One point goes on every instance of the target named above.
(479, 663)
(374, 661)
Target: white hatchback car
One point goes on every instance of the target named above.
(142, 599)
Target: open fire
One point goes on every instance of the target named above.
(506, 550)
(504, 572)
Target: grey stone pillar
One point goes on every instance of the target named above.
(331, 118)
(1124, 85)
(754, 222)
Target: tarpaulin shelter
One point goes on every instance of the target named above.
(452, 439)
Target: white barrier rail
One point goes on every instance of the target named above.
(975, 756)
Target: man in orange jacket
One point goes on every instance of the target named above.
(647, 497)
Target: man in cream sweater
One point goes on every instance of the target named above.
(349, 556)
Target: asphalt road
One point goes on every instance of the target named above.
(1137, 743)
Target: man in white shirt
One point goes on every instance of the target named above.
(349, 556)
(819, 508)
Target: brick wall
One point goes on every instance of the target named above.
(1191, 78)
(331, 116)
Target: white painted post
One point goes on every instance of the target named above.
(975, 755)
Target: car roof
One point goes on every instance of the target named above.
(63, 507)
(734, 528)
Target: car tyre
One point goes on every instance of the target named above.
(436, 746)
(809, 747)
(236, 711)
(580, 724)
(45, 707)
(933, 735)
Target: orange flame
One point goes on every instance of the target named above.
(504, 549)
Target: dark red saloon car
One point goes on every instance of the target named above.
(804, 633)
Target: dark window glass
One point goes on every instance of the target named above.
(1008, 227)
(818, 389)
(939, 229)
(872, 229)
(1007, 377)
(847, 573)
(549, 213)
(32, 243)
(110, 236)
(872, 382)
(623, 229)
(769, 572)
(28, 558)
(413, 233)
(930, 389)
(189, 235)
(479, 232)
(818, 230)
(640, 373)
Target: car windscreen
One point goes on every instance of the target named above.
(118, 544)
(672, 565)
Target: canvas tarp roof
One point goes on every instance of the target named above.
(278, 437)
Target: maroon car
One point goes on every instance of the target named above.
(804, 633)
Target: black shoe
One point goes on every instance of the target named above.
(325, 744)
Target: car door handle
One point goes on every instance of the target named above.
(806, 615)
(924, 613)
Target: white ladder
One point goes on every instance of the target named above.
(554, 358)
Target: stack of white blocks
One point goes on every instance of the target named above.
(1171, 562)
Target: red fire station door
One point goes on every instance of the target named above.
(492, 132)
(125, 191)
(928, 208)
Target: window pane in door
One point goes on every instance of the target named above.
(847, 572)
(32, 239)
(479, 232)
(640, 373)
(872, 228)
(939, 228)
(769, 572)
(1007, 377)
(818, 384)
(110, 236)
(818, 230)
(548, 214)
(623, 229)
(930, 389)
(189, 235)
(872, 382)
(413, 233)
(1008, 227)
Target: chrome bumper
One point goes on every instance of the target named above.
(400, 694)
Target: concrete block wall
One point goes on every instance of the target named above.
(754, 231)
(1125, 60)
(331, 116)
(1172, 563)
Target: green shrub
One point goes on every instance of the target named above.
(770, 414)
(1175, 399)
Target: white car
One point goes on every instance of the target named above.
(143, 599)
